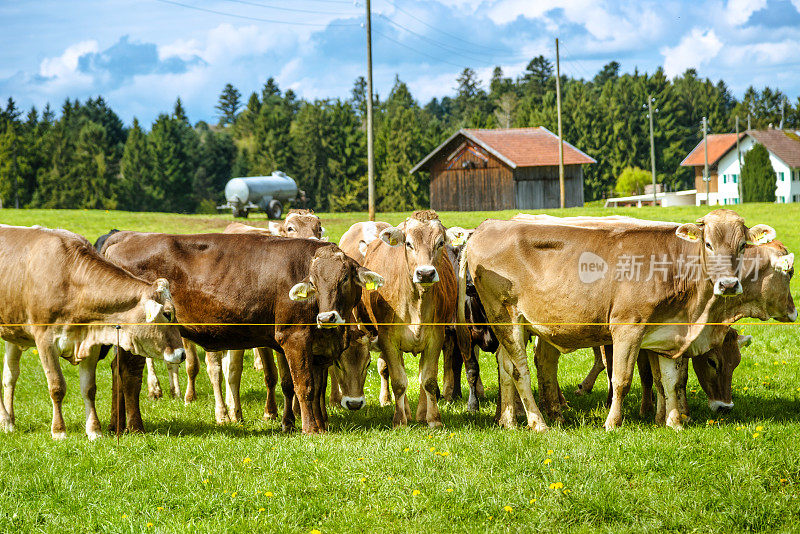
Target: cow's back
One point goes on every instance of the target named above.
(355, 240)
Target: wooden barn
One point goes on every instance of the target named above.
(514, 168)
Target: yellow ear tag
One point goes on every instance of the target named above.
(149, 317)
(371, 285)
(302, 292)
(460, 240)
(693, 237)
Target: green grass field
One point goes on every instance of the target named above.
(741, 472)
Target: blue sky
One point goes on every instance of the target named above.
(140, 55)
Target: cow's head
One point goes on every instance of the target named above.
(723, 237)
(715, 368)
(351, 369)
(335, 281)
(423, 237)
(145, 339)
(302, 223)
(766, 275)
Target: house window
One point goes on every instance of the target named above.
(780, 176)
(724, 178)
(735, 178)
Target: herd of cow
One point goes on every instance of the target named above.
(308, 307)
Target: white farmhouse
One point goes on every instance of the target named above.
(725, 170)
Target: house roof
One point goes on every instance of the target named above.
(783, 144)
(718, 146)
(516, 147)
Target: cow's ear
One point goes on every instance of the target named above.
(783, 263)
(761, 234)
(369, 279)
(162, 288)
(152, 309)
(392, 236)
(274, 228)
(689, 232)
(302, 291)
(458, 236)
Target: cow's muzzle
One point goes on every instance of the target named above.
(719, 406)
(728, 287)
(353, 403)
(176, 356)
(426, 275)
(329, 319)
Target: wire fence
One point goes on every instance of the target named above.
(566, 323)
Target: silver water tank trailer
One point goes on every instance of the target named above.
(266, 193)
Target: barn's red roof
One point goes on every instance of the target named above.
(718, 146)
(516, 147)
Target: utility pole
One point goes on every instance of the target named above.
(739, 159)
(783, 105)
(652, 147)
(748, 120)
(14, 167)
(560, 138)
(706, 177)
(370, 152)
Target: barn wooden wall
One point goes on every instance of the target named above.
(482, 188)
(538, 188)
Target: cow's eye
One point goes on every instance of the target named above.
(712, 363)
(741, 247)
(409, 246)
(291, 229)
(168, 316)
(709, 247)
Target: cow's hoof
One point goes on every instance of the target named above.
(189, 398)
(222, 418)
(472, 405)
(155, 394)
(540, 427)
(6, 426)
(59, 435)
(175, 393)
(270, 416)
(93, 435)
(435, 424)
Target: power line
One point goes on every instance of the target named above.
(438, 29)
(418, 51)
(259, 19)
(291, 9)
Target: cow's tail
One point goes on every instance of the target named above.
(462, 330)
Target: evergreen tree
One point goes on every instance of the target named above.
(759, 180)
(228, 105)
(137, 190)
(172, 148)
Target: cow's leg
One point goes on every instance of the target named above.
(449, 354)
(516, 365)
(334, 373)
(57, 386)
(507, 404)
(399, 380)
(608, 360)
(626, 350)
(232, 366)
(11, 360)
(646, 378)
(661, 406)
(267, 359)
(118, 416)
(297, 349)
(546, 359)
(192, 369)
(153, 386)
(473, 377)
(174, 383)
(680, 390)
(87, 372)
(598, 366)
(132, 367)
(258, 363)
(214, 370)
(287, 387)
(385, 397)
(428, 386)
(672, 373)
(320, 376)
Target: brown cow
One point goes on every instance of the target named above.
(410, 311)
(252, 279)
(56, 295)
(298, 223)
(531, 280)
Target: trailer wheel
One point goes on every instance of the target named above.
(274, 210)
(240, 212)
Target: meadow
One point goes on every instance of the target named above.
(735, 473)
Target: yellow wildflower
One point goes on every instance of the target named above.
(452, 434)
(246, 461)
(406, 449)
(433, 449)
(415, 492)
(710, 422)
(234, 494)
(268, 494)
(567, 456)
(363, 479)
(149, 525)
(205, 481)
(744, 388)
(549, 452)
(756, 434)
(508, 509)
(556, 485)
(759, 428)
(547, 461)
(160, 508)
(445, 453)
(449, 490)
(783, 481)
(261, 509)
(532, 501)
(124, 516)
(567, 491)
(314, 531)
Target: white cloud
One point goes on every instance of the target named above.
(763, 54)
(737, 12)
(693, 50)
(67, 63)
(226, 43)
